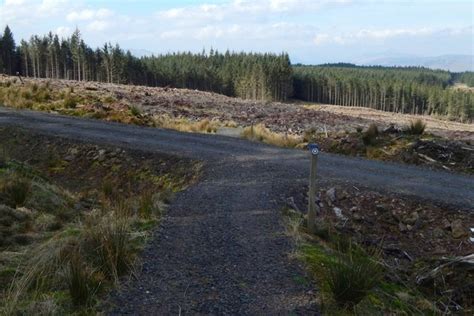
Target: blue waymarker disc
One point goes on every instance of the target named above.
(314, 149)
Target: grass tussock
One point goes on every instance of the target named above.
(348, 274)
(135, 111)
(185, 125)
(416, 127)
(81, 282)
(149, 204)
(369, 137)
(25, 96)
(60, 252)
(354, 279)
(260, 133)
(107, 188)
(15, 190)
(70, 101)
(108, 240)
(79, 261)
(353, 276)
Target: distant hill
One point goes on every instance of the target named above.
(454, 63)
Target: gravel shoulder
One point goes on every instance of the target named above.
(221, 248)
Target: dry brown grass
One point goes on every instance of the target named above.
(80, 260)
(186, 125)
(260, 133)
(417, 127)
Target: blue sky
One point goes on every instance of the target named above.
(311, 31)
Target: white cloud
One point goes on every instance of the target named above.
(98, 25)
(89, 14)
(171, 34)
(245, 9)
(14, 2)
(321, 38)
(26, 11)
(52, 6)
(241, 20)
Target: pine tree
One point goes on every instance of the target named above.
(8, 52)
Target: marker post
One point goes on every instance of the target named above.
(314, 150)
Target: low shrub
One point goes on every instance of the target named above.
(42, 95)
(108, 238)
(70, 101)
(109, 99)
(135, 111)
(417, 127)
(185, 125)
(15, 190)
(323, 231)
(146, 206)
(80, 282)
(352, 276)
(107, 188)
(369, 137)
(260, 133)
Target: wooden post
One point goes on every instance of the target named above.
(314, 149)
(18, 74)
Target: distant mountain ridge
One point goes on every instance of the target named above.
(454, 63)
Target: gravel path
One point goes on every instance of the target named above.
(221, 248)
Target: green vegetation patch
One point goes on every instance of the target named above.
(410, 90)
(363, 259)
(73, 218)
(354, 281)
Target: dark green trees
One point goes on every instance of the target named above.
(8, 53)
(405, 90)
(250, 76)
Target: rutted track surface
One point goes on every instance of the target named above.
(221, 248)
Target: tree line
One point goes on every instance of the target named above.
(247, 75)
(412, 90)
(465, 77)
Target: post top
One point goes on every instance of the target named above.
(314, 149)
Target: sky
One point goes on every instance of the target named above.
(311, 31)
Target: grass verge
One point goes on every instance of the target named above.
(67, 235)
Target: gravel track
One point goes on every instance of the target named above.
(222, 248)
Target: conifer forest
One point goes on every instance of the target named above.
(257, 76)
